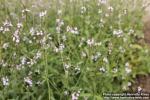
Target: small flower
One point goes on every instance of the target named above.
(42, 14)
(23, 60)
(5, 45)
(7, 23)
(115, 70)
(38, 55)
(105, 60)
(25, 10)
(61, 47)
(66, 92)
(118, 33)
(128, 70)
(72, 30)
(66, 66)
(83, 54)
(19, 25)
(59, 12)
(129, 83)
(90, 42)
(16, 37)
(139, 89)
(1, 29)
(102, 69)
(28, 81)
(75, 95)
(102, 1)
(83, 9)
(110, 8)
(40, 33)
(96, 56)
(5, 81)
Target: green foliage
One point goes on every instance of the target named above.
(59, 49)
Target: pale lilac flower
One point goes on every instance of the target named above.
(139, 89)
(118, 33)
(96, 56)
(28, 81)
(75, 95)
(102, 2)
(5, 81)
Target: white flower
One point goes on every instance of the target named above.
(61, 47)
(16, 37)
(139, 89)
(115, 70)
(129, 83)
(19, 25)
(42, 14)
(39, 33)
(28, 81)
(127, 64)
(25, 10)
(128, 70)
(59, 12)
(90, 42)
(5, 45)
(1, 29)
(38, 55)
(5, 81)
(23, 60)
(105, 59)
(102, 69)
(32, 31)
(96, 56)
(83, 54)
(66, 66)
(72, 30)
(118, 33)
(83, 9)
(102, 1)
(56, 49)
(75, 95)
(59, 23)
(7, 23)
(110, 8)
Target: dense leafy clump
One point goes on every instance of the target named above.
(69, 49)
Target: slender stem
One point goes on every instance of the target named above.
(46, 72)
